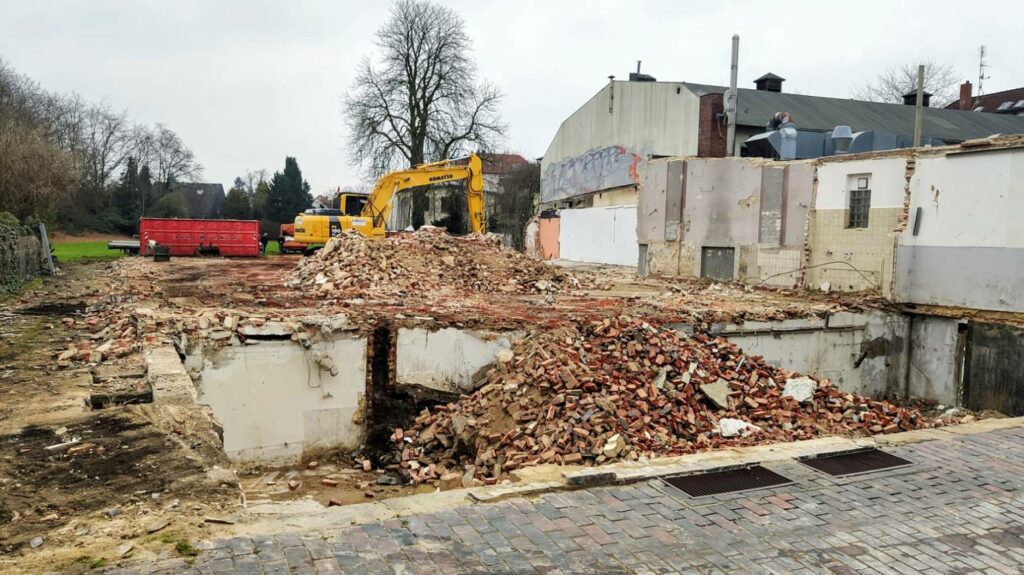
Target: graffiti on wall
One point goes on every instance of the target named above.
(598, 169)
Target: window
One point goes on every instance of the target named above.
(860, 202)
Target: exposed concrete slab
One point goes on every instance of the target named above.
(446, 359)
(168, 378)
(276, 403)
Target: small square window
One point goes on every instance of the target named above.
(860, 208)
(862, 183)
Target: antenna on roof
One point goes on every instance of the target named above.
(981, 68)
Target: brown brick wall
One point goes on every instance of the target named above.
(710, 129)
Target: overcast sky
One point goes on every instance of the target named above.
(247, 82)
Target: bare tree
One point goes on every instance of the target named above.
(166, 154)
(420, 100)
(941, 80)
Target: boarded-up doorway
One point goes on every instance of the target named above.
(717, 263)
(992, 375)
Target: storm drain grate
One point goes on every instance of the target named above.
(850, 463)
(716, 482)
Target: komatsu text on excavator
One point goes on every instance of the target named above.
(315, 229)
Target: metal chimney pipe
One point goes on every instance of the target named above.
(638, 66)
(730, 106)
(919, 106)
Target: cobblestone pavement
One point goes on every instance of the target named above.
(958, 509)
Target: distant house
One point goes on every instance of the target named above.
(1009, 102)
(321, 202)
(204, 200)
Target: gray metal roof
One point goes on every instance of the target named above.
(755, 107)
(819, 113)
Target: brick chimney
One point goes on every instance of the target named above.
(966, 96)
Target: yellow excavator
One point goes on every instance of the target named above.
(315, 229)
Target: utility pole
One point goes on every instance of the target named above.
(730, 106)
(919, 106)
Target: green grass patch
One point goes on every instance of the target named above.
(91, 562)
(75, 251)
(181, 545)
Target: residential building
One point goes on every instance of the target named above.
(1009, 102)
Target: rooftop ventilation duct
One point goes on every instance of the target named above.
(842, 137)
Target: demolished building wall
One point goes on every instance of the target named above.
(750, 214)
(965, 216)
(855, 255)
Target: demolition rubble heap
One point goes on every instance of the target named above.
(621, 389)
(428, 261)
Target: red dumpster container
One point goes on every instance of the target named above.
(196, 237)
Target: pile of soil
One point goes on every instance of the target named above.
(428, 261)
(621, 389)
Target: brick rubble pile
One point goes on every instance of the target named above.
(426, 262)
(620, 389)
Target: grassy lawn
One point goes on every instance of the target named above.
(73, 251)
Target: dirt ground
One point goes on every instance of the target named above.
(83, 487)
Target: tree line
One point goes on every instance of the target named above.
(82, 165)
(277, 199)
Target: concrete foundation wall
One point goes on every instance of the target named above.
(860, 353)
(936, 359)
(599, 235)
(447, 359)
(275, 403)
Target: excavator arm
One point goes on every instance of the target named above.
(378, 206)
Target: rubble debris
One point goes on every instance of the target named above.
(36, 542)
(158, 525)
(729, 427)
(801, 389)
(423, 263)
(594, 393)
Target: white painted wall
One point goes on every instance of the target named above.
(275, 403)
(973, 199)
(445, 359)
(599, 235)
(888, 182)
